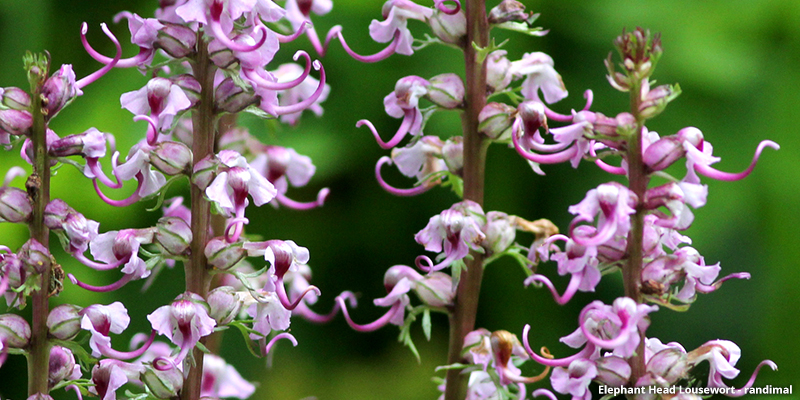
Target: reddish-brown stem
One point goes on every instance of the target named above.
(462, 319)
(38, 187)
(196, 269)
(638, 180)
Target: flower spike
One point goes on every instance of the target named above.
(424, 187)
(336, 31)
(728, 176)
(80, 84)
(372, 326)
(449, 11)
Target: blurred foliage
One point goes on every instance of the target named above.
(735, 60)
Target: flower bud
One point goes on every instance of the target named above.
(495, 119)
(446, 90)
(14, 331)
(64, 321)
(435, 289)
(15, 98)
(162, 384)
(62, 365)
(224, 303)
(171, 158)
(221, 55)
(692, 136)
(14, 205)
(656, 100)
(453, 154)
(232, 98)
(190, 86)
(205, 171)
(670, 364)
(613, 371)
(224, 255)
(500, 231)
(58, 90)
(90, 144)
(14, 271)
(174, 235)
(506, 11)
(34, 256)
(177, 40)
(663, 153)
(15, 122)
(498, 71)
(449, 28)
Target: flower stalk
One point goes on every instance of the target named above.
(38, 186)
(462, 318)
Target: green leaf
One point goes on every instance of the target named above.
(426, 324)
(246, 335)
(451, 366)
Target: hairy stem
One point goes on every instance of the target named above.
(38, 186)
(638, 180)
(462, 319)
(196, 270)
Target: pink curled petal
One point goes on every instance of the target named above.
(556, 116)
(163, 364)
(397, 192)
(743, 390)
(589, 96)
(80, 84)
(603, 235)
(409, 118)
(713, 173)
(12, 173)
(610, 168)
(127, 355)
(372, 326)
(572, 287)
(223, 38)
(119, 203)
(77, 391)
(280, 290)
(714, 286)
(3, 355)
(554, 158)
(265, 84)
(285, 335)
(94, 168)
(152, 128)
(449, 11)
(623, 336)
(312, 36)
(545, 393)
(290, 38)
(234, 229)
(308, 102)
(433, 268)
(553, 362)
(102, 289)
(96, 265)
(311, 316)
(297, 205)
(379, 56)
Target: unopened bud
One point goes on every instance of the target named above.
(177, 40)
(670, 364)
(232, 98)
(204, 171)
(449, 28)
(64, 321)
(498, 71)
(14, 205)
(495, 119)
(453, 154)
(171, 158)
(174, 235)
(663, 153)
(34, 255)
(58, 90)
(508, 10)
(500, 231)
(656, 100)
(15, 332)
(62, 365)
(162, 384)
(190, 86)
(90, 144)
(223, 255)
(15, 98)
(692, 136)
(446, 90)
(224, 304)
(15, 122)
(435, 289)
(221, 55)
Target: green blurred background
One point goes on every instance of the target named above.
(736, 61)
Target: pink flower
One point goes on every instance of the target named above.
(455, 231)
(221, 380)
(234, 181)
(102, 320)
(184, 322)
